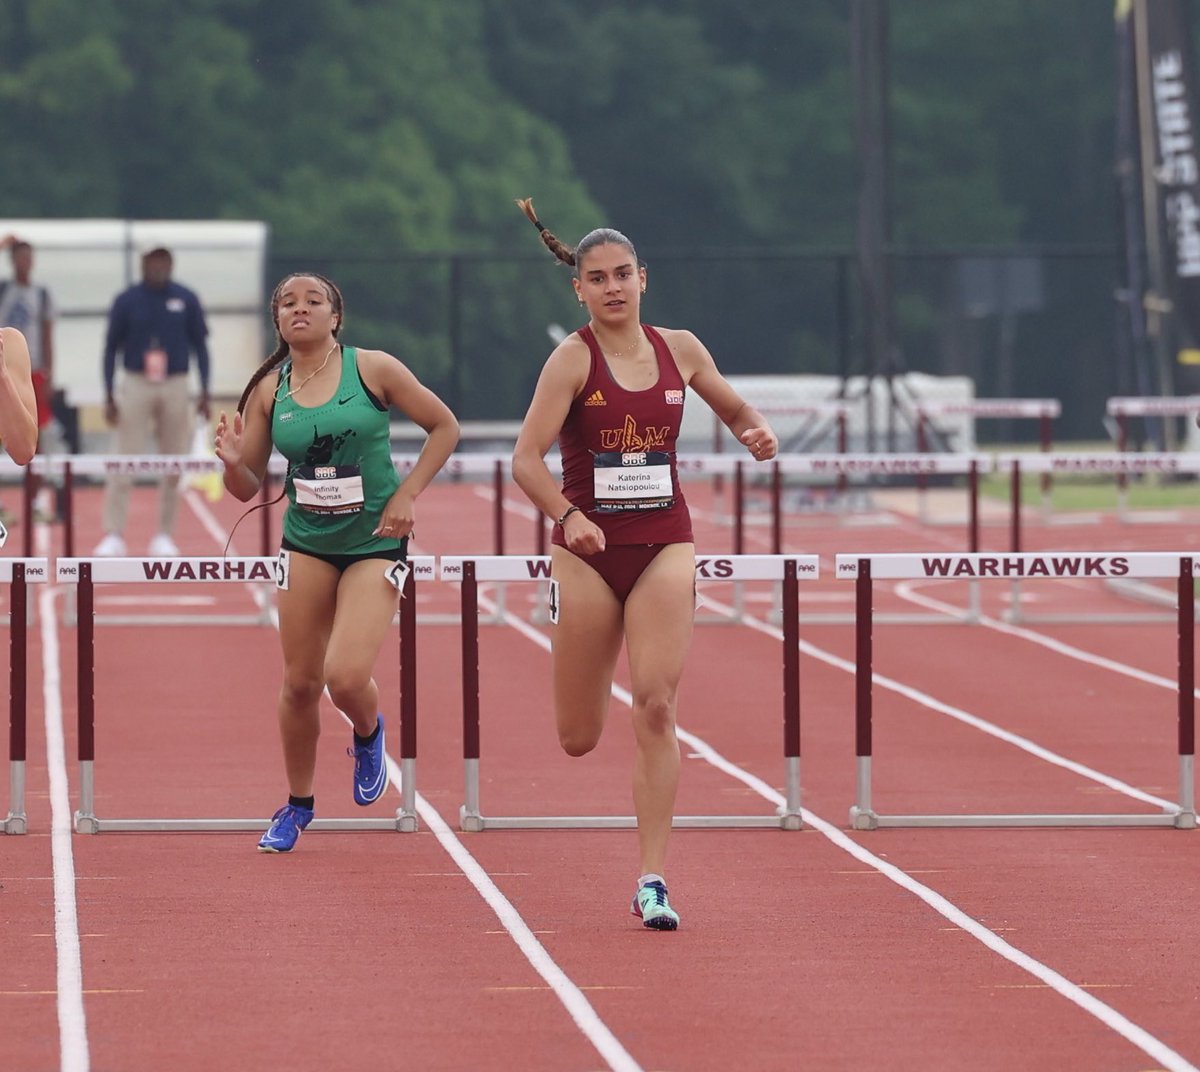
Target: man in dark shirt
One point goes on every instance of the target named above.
(157, 325)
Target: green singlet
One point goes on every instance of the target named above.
(340, 472)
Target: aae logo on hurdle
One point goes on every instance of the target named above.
(1015, 566)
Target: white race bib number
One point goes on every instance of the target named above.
(632, 481)
(329, 489)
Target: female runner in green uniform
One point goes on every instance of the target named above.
(325, 407)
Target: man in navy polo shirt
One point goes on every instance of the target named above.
(156, 325)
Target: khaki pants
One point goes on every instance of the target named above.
(149, 411)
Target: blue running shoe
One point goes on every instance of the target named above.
(370, 769)
(650, 902)
(287, 824)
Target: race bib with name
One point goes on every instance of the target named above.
(633, 480)
(329, 489)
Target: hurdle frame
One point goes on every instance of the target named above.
(1086, 463)
(865, 569)
(1044, 410)
(18, 573)
(787, 570)
(1122, 407)
(85, 574)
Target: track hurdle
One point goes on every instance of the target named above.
(134, 466)
(845, 469)
(1122, 408)
(787, 570)
(865, 569)
(1044, 410)
(18, 574)
(85, 574)
(1086, 463)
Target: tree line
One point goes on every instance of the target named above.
(376, 138)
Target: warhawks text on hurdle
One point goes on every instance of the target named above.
(208, 569)
(1041, 566)
(895, 465)
(167, 466)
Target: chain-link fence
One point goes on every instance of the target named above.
(1030, 322)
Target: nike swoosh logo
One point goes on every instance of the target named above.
(343, 401)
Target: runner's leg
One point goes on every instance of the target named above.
(658, 630)
(306, 609)
(586, 642)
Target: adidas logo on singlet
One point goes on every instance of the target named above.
(596, 398)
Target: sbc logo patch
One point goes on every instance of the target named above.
(674, 398)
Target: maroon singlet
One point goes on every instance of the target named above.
(605, 420)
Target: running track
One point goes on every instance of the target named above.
(825, 948)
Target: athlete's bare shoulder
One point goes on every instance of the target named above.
(689, 352)
(569, 362)
(372, 358)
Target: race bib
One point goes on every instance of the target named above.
(329, 489)
(638, 480)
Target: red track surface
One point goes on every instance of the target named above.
(375, 949)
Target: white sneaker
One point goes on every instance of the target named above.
(162, 546)
(113, 545)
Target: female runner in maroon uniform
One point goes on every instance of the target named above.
(623, 557)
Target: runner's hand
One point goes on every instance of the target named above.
(398, 517)
(762, 443)
(583, 536)
(227, 442)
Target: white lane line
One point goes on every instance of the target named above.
(72, 1019)
(568, 993)
(1107, 1015)
(572, 998)
(965, 717)
(908, 591)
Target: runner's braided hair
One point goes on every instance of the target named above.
(281, 348)
(601, 236)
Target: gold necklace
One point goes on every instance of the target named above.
(631, 348)
(308, 377)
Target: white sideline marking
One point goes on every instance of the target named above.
(72, 1019)
(572, 998)
(1107, 1015)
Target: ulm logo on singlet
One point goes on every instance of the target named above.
(596, 398)
(628, 439)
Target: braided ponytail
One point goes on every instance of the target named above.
(601, 236)
(560, 249)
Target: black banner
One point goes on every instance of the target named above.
(1171, 180)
